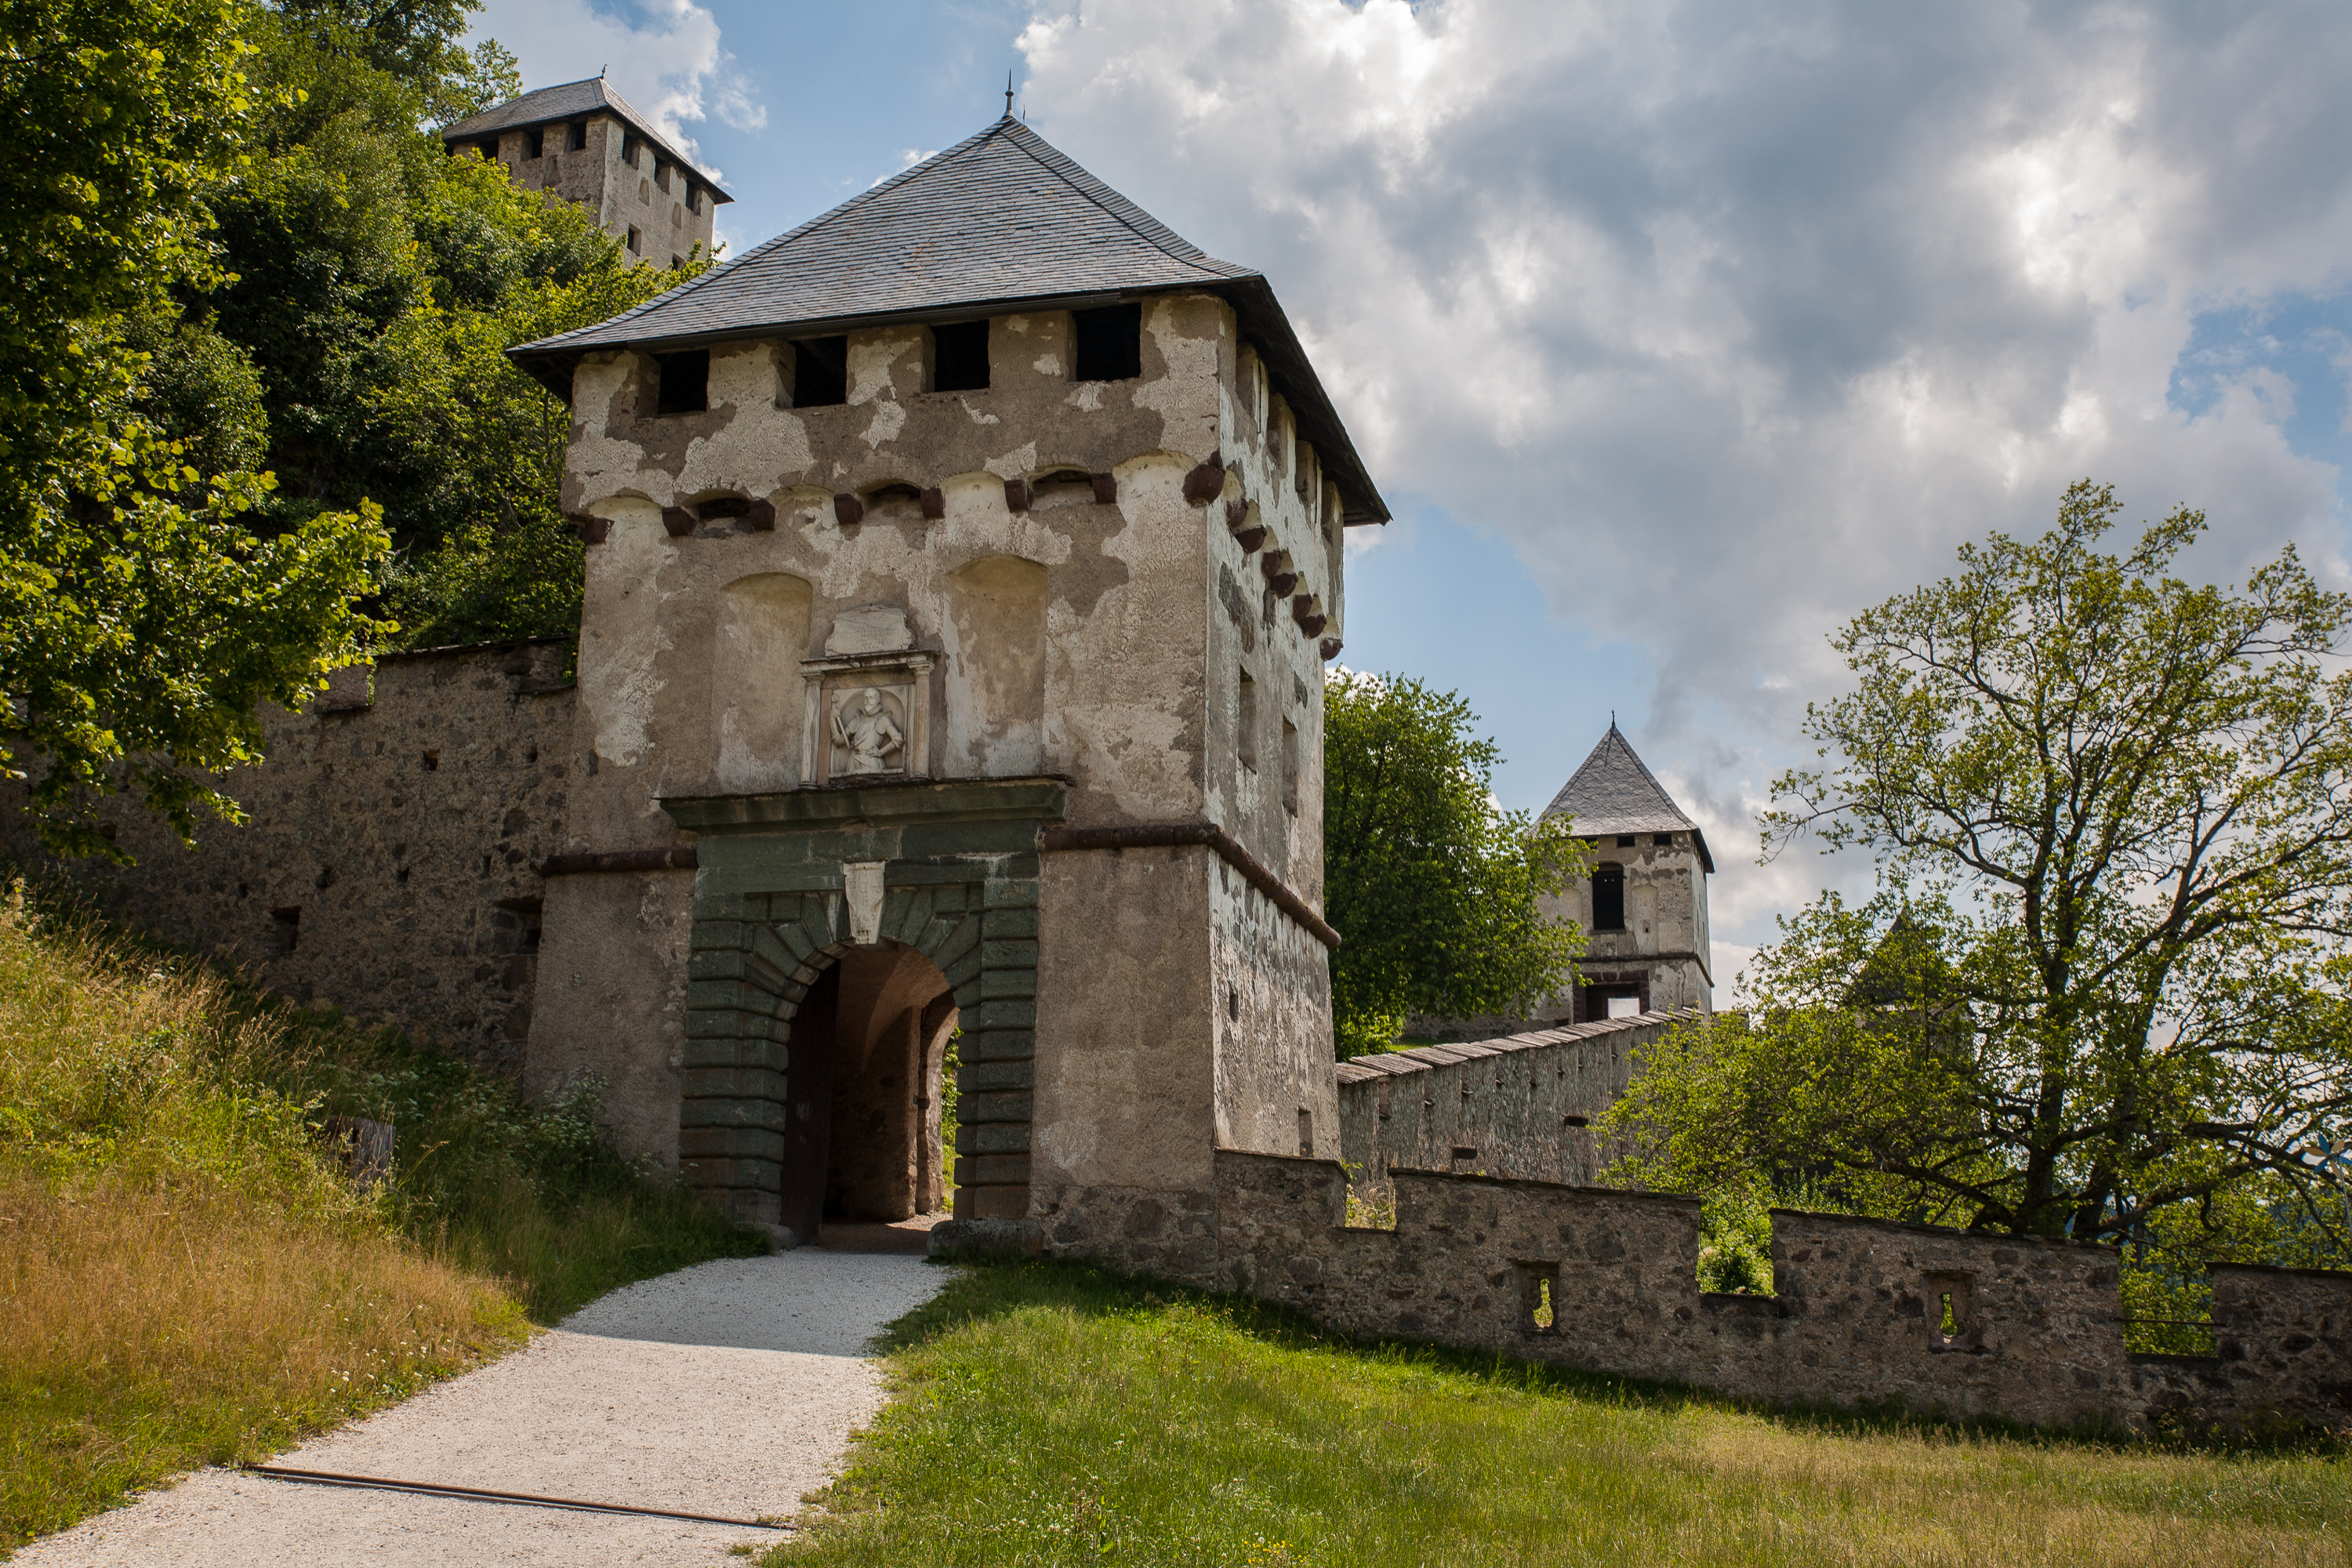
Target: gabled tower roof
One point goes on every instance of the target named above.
(998, 223)
(1615, 793)
(569, 101)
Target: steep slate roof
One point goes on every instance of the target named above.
(1615, 793)
(1001, 220)
(1420, 1059)
(573, 100)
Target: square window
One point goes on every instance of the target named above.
(576, 141)
(1111, 344)
(820, 371)
(1625, 840)
(685, 381)
(959, 357)
(1663, 840)
(534, 143)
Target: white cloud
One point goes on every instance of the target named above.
(1735, 319)
(669, 66)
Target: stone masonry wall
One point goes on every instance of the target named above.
(1607, 1281)
(1519, 1106)
(389, 865)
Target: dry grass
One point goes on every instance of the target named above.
(184, 1279)
(1051, 1415)
(145, 1332)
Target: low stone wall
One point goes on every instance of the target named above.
(1522, 1105)
(1867, 1313)
(389, 865)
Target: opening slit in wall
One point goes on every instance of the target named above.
(1539, 1297)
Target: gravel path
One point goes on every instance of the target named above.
(728, 1389)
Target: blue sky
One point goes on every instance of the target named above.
(1674, 331)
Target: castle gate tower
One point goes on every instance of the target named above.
(962, 566)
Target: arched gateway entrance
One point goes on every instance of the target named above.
(862, 1098)
(839, 935)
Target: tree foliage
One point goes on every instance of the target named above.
(255, 413)
(2100, 988)
(1432, 885)
(142, 616)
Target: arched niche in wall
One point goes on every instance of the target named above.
(762, 636)
(995, 677)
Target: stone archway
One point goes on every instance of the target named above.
(786, 886)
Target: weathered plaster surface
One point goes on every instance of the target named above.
(388, 866)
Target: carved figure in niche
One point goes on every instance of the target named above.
(868, 734)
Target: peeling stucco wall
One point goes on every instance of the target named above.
(1071, 605)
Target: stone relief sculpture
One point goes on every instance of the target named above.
(869, 734)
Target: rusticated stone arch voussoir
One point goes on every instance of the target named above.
(962, 893)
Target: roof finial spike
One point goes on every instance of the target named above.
(1008, 95)
(600, 70)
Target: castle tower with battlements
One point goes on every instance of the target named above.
(962, 566)
(580, 142)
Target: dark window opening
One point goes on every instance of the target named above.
(432, 760)
(1111, 344)
(490, 149)
(632, 239)
(661, 176)
(1625, 840)
(959, 357)
(685, 381)
(629, 145)
(576, 137)
(284, 930)
(676, 262)
(1663, 840)
(1609, 897)
(534, 143)
(820, 371)
(693, 197)
(1246, 722)
(724, 506)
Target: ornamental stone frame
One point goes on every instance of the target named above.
(771, 913)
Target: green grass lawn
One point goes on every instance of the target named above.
(1051, 1414)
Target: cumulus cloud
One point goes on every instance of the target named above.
(663, 56)
(1734, 319)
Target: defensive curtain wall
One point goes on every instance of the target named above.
(402, 833)
(951, 659)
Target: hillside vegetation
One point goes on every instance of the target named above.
(185, 1278)
(1051, 1414)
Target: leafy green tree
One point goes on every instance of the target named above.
(2101, 986)
(1433, 886)
(378, 281)
(143, 618)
